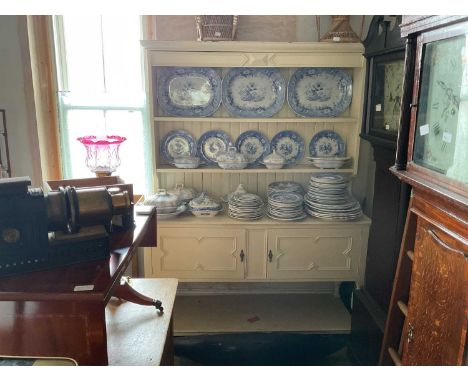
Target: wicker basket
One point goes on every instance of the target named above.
(216, 28)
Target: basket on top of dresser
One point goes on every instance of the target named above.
(216, 28)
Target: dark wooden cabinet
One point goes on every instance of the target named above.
(384, 52)
(428, 312)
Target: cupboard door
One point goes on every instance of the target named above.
(437, 318)
(315, 254)
(200, 253)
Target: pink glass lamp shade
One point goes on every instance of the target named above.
(102, 153)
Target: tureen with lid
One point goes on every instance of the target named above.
(274, 160)
(204, 206)
(163, 201)
(231, 159)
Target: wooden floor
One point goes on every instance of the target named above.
(313, 313)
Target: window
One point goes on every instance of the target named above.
(101, 92)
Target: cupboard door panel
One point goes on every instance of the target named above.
(437, 317)
(199, 253)
(314, 254)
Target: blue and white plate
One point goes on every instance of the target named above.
(253, 92)
(288, 144)
(189, 92)
(327, 143)
(211, 144)
(176, 144)
(320, 92)
(254, 145)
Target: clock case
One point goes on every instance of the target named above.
(404, 165)
(390, 203)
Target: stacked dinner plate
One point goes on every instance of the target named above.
(328, 197)
(329, 162)
(245, 206)
(286, 206)
(285, 186)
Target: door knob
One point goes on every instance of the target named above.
(270, 256)
(242, 255)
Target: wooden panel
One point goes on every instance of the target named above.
(314, 254)
(198, 253)
(438, 299)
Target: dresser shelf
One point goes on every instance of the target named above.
(258, 120)
(257, 170)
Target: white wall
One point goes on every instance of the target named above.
(16, 98)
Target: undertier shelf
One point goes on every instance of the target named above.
(257, 170)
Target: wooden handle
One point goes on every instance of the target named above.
(445, 245)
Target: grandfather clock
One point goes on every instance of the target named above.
(428, 312)
(385, 53)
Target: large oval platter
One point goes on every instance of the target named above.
(320, 92)
(189, 92)
(253, 92)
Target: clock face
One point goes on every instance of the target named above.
(386, 96)
(441, 140)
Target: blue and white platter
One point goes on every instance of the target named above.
(320, 92)
(288, 144)
(253, 92)
(189, 92)
(211, 144)
(327, 143)
(254, 145)
(176, 144)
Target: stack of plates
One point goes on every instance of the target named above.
(286, 206)
(285, 186)
(329, 162)
(328, 198)
(245, 206)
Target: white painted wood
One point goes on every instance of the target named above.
(198, 253)
(207, 250)
(316, 254)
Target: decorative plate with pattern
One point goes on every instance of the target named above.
(327, 143)
(320, 92)
(288, 144)
(253, 92)
(254, 145)
(189, 92)
(212, 143)
(176, 144)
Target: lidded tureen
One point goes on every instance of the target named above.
(184, 194)
(163, 201)
(274, 160)
(204, 205)
(231, 159)
(239, 190)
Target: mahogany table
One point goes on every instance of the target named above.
(41, 314)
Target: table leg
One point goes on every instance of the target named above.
(126, 292)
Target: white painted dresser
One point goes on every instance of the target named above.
(221, 249)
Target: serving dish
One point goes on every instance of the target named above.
(253, 92)
(189, 91)
(320, 92)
